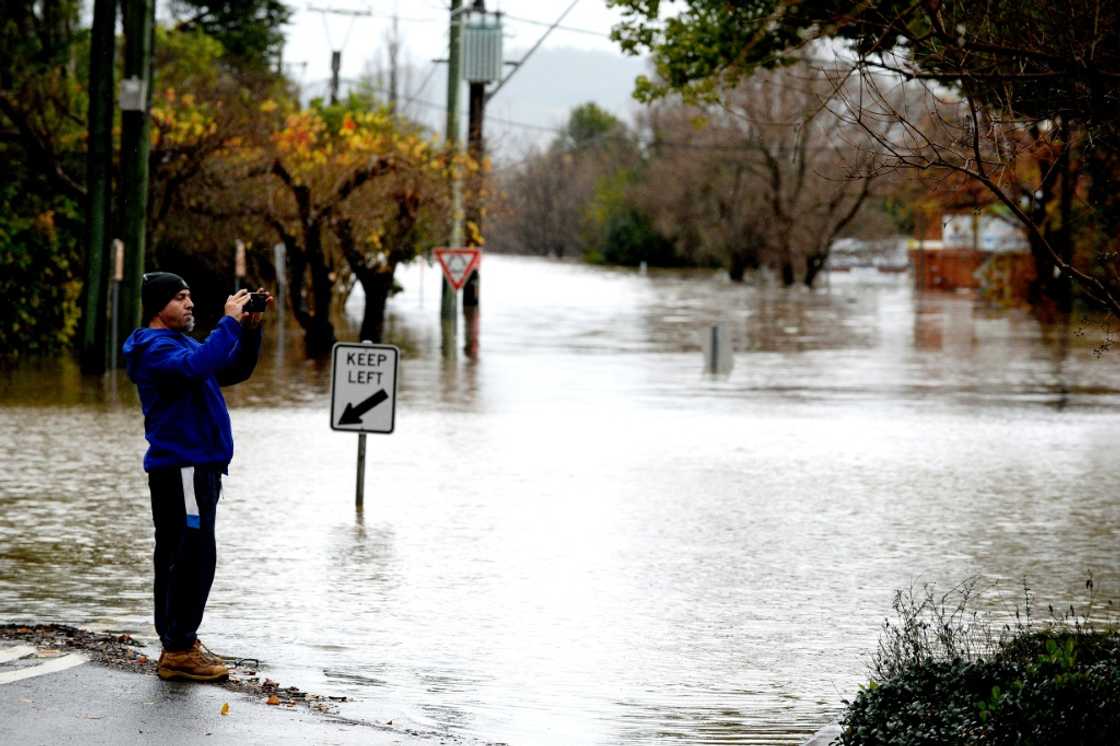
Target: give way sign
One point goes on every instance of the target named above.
(457, 264)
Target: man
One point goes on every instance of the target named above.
(189, 449)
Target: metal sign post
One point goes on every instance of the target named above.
(115, 291)
(718, 356)
(360, 489)
(363, 395)
(238, 264)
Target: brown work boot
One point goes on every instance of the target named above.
(192, 665)
(206, 652)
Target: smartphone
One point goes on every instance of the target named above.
(258, 302)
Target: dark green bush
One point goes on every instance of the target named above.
(631, 239)
(1057, 683)
(1044, 698)
(39, 264)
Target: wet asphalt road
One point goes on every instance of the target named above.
(92, 704)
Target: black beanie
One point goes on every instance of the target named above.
(157, 291)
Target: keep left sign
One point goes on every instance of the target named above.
(364, 387)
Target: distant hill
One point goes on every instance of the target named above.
(553, 82)
(542, 94)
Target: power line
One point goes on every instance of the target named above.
(441, 107)
(526, 125)
(431, 71)
(652, 143)
(572, 29)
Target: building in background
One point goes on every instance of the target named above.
(966, 242)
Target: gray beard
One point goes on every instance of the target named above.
(190, 325)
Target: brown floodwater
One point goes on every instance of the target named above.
(579, 536)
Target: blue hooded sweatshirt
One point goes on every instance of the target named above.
(179, 379)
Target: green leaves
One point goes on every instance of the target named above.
(250, 31)
(38, 249)
(1034, 689)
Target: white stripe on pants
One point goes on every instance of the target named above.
(190, 502)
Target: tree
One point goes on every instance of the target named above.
(350, 192)
(204, 105)
(1041, 76)
(544, 211)
(41, 154)
(770, 177)
(251, 32)
(566, 199)
(205, 127)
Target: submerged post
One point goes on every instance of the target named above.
(713, 360)
(360, 495)
(718, 358)
(360, 492)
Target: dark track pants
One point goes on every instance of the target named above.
(184, 504)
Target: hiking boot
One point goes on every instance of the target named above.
(192, 665)
(206, 652)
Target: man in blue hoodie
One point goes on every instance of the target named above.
(189, 449)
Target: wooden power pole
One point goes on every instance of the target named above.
(394, 56)
(475, 149)
(99, 181)
(447, 310)
(136, 92)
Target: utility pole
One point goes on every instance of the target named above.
(139, 25)
(336, 54)
(336, 65)
(447, 311)
(475, 149)
(394, 53)
(99, 185)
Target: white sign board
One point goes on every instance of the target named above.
(364, 387)
(134, 94)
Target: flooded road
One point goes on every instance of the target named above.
(581, 537)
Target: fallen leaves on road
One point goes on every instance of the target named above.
(124, 652)
(225, 709)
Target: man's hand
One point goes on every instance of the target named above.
(253, 320)
(235, 305)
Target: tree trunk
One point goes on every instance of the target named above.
(377, 286)
(318, 337)
(788, 276)
(813, 266)
(315, 321)
(319, 333)
(1046, 288)
(1062, 290)
(738, 266)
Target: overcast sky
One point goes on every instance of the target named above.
(423, 24)
(577, 62)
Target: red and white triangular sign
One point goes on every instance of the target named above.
(457, 264)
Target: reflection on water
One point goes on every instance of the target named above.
(576, 535)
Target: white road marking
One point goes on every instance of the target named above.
(51, 666)
(19, 651)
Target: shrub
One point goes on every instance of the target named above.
(945, 677)
(38, 263)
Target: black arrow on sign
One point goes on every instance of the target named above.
(352, 415)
